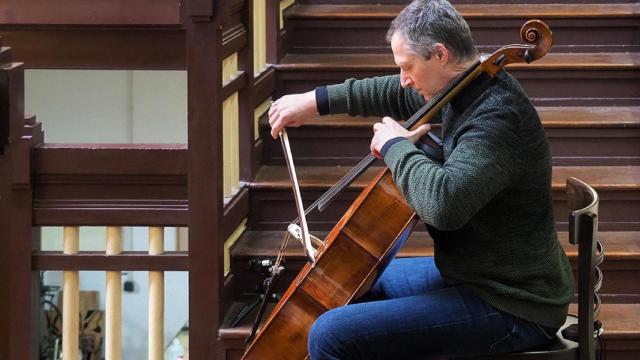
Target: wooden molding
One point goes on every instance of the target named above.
(125, 261)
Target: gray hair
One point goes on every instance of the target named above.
(424, 23)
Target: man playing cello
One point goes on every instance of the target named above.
(499, 280)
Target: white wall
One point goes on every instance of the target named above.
(115, 106)
(89, 106)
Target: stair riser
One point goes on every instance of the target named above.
(274, 209)
(546, 87)
(323, 36)
(347, 146)
(623, 349)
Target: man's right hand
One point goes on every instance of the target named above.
(291, 110)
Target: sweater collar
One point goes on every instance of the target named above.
(466, 96)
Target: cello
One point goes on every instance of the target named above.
(371, 232)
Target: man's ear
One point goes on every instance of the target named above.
(441, 53)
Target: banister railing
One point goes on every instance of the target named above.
(73, 264)
(117, 185)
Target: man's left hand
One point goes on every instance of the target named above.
(389, 129)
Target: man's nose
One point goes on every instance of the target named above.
(405, 81)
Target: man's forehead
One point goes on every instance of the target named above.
(399, 49)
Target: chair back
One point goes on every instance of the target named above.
(583, 231)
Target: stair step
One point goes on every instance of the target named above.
(619, 245)
(470, 11)
(621, 266)
(384, 62)
(620, 321)
(578, 136)
(272, 201)
(602, 178)
(551, 116)
(558, 79)
(361, 28)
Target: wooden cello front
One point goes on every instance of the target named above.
(370, 233)
(357, 249)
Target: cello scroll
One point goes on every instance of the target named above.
(538, 40)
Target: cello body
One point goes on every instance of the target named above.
(354, 254)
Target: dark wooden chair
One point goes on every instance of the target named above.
(577, 338)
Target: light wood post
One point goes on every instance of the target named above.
(156, 297)
(113, 332)
(71, 298)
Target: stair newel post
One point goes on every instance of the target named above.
(203, 25)
(19, 298)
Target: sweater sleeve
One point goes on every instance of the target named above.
(484, 162)
(378, 96)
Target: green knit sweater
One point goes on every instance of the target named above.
(488, 206)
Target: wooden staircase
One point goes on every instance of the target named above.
(587, 92)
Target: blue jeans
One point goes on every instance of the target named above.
(412, 313)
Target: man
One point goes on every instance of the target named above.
(499, 280)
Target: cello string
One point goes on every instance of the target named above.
(326, 198)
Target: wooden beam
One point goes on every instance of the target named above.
(91, 12)
(99, 261)
(82, 47)
(119, 212)
(103, 159)
(110, 184)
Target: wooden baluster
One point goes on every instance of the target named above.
(156, 297)
(71, 298)
(113, 332)
(259, 36)
(230, 128)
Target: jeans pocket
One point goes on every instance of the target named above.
(523, 335)
(547, 332)
(503, 344)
